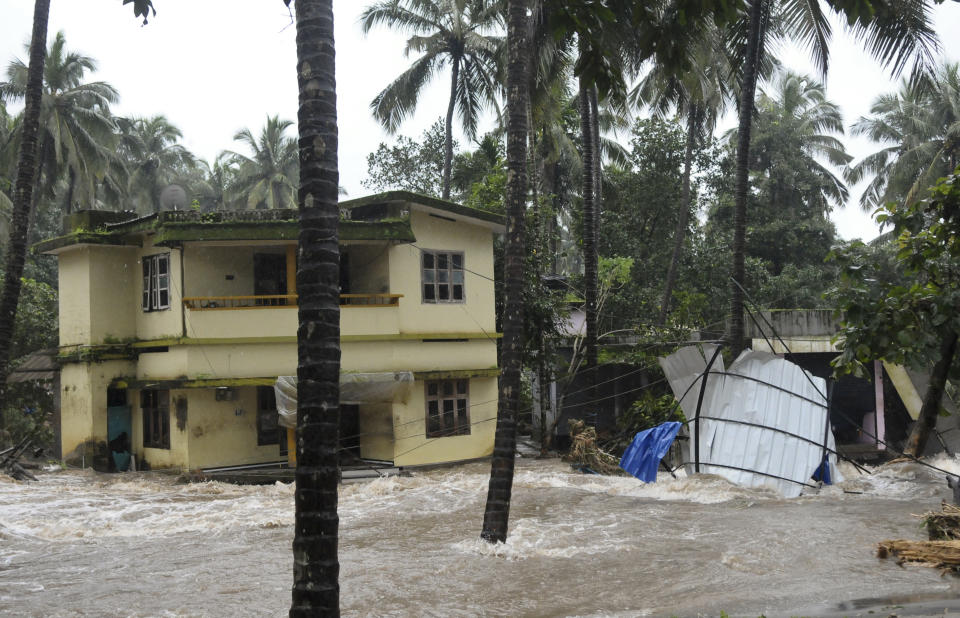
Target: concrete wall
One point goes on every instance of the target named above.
(433, 233)
(412, 448)
(369, 268)
(83, 397)
(416, 355)
(114, 270)
(206, 269)
(376, 431)
(218, 436)
(795, 323)
(74, 291)
(94, 285)
(168, 322)
(270, 321)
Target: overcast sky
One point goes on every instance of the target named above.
(214, 67)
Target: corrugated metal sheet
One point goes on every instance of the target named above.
(748, 415)
(39, 365)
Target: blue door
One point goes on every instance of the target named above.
(118, 436)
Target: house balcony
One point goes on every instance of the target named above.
(275, 315)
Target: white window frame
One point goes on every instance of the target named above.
(447, 407)
(156, 282)
(437, 280)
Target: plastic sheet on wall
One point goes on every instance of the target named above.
(355, 388)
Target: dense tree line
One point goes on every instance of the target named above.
(672, 206)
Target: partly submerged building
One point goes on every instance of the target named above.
(175, 326)
(866, 414)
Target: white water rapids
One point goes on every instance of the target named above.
(138, 544)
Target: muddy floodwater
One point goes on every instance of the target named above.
(138, 544)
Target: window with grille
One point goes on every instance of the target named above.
(156, 282)
(156, 418)
(448, 408)
(442, 277)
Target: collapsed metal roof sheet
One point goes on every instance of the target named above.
(763, 422)
(38, 365)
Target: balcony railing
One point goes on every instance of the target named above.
(215, 303)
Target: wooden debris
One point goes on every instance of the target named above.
(938, 554)
(945, 525)
(942, 551)
(10, 464)
(586, 455)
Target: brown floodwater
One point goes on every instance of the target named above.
(79, 543)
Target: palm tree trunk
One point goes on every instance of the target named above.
(448, 128)
(597, 159)
(747, 92)
(497, 511)
(683, 216)
(589, 228)
(71, 181)
(316, 569)
(23, 192)
(930, 409)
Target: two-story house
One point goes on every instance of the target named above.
(175, 326)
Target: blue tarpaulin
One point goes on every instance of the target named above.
(642, 457)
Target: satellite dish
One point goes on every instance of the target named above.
(173, 197)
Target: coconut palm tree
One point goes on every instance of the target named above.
(316, 591)
(699, 96)
(8, 152)
(153, 158)
(77, 132)
(23, 190)
(214, 187)
(268, 178)
(895, 33)
(794, 118)
(454, 32)
(497, 511)
(919, 126)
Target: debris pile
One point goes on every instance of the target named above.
(10, 463)
(584, 453)
(945, 525)
(942, 551)
(938, 554)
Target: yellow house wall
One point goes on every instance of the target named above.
(282, 322)
(241, 360)
(432, 233)
(416, 355)
(159, 324)
(218, 436)
(114, 271)
(83, 400)
(206, 270)
(413, 448)
(74, 291)
(163, 365)
(252, 322)
(174, 457)
(369, 269)
(376, 431)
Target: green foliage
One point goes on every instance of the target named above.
(269, 176)
(37, 317)
(902, 312)
(650, 410)
(409, 165)
(642, 202)
(28, 411)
